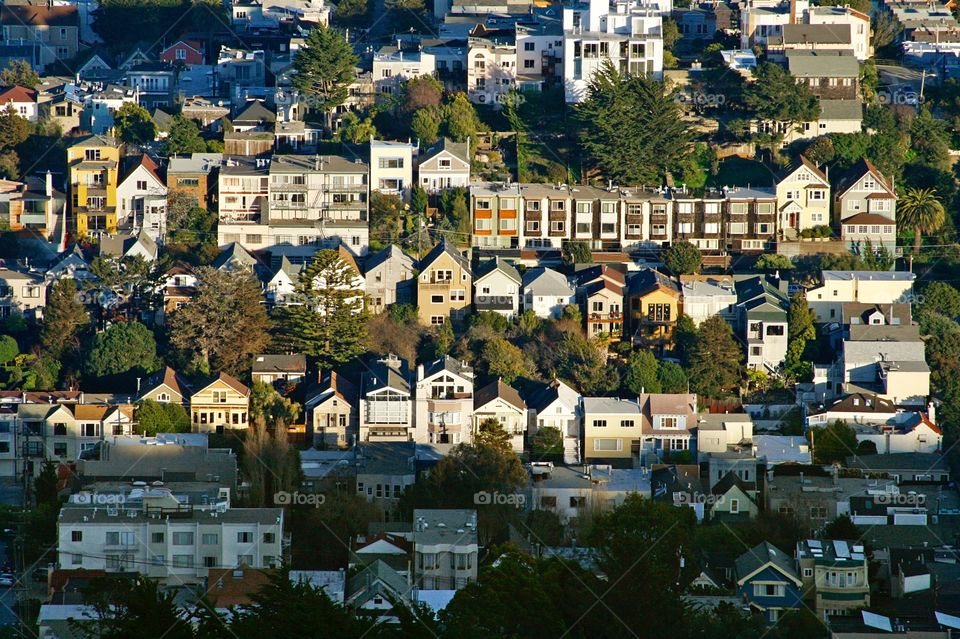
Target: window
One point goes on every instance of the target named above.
(76, 535)
(464, 561)
(626, 423)
(775, 330)
(209, 539)
(76, 560)
(607, 445)
(768, 590)
(734, 506)
(533, 226)
(269, 538)
(436, 320)
(183, 561)
(529, 46)
(599, 423)
(578, 502)
(59, 449)
(818, 512)
(219, 397)
(436, 299)
(458, 295)
(244, 537)
(391, 163)
(808, 572)
(529, 64)
(181, 54)
(556, 226)
(141, 185)
(182, 538)
(156, 538)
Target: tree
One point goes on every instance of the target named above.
(504, 360)
(180, 204)
(161, 417)
(386, 217)
(331, 322)
(63, 318)
(801, 330)
(13, 128)
(126, 348)
(19, 73)
(8, 349)
(269, 463)
(930, 141)
(684, 339)
(548, 441)
(940, 297)
(425, 125)
(133, 608)
(355, 130)
(323, 69)
(353, 12)
(269, 408)
(490, 432)
(460, 121)
(884, 29)
(773, 262)
(820, 151)
(224, 324)
(777, 96)
(632, 128)
(921, 209)
(133, 124)
(642, 374)
(577, 252)
(715, 361)
(422, 92)
(672, 378)
(682, 258)
(184, 137)
(842, 527)
(832, 443)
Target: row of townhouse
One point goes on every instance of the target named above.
(735, 219)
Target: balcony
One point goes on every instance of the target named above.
(436, 286)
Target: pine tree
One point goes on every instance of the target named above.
(323, 69)
(801, 329)
(64, 316)
(715, 361)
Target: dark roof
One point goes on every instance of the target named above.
(460, 150)
(762, 554)
(857, 171)
(39, 15)
(171, 379)
(862, 403)
(255, 111)
(729, 481)
(497, 389)
(446, 247)
(648, 280)
(279, 363)
(447, 363)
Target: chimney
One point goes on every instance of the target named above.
(793, 11)
(419, 372)
(48, 184)
(932, 412)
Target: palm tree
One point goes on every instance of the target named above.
(920, 209)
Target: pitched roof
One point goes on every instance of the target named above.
(551, 393)
(460, 150)
(17, 94)
(235, 252)
(170, 378)
(229, 380)
(802, 161)
(547, 282)
(255, 111)
(446, 247)
(447, 363)
(235, 586)
(841, 110)
(648, 280)
(730, 480)
(857, 171)
(40, 15)
(497, 264)
(279, 363)
(497, 389)
(761, 555)
(822, 64)
(146, 162)
(390, 252)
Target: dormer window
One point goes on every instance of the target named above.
(163, 397)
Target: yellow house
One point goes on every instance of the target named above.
(654, 303)
(444, 285)
(221, 403)
(93, 163)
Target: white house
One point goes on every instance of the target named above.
(866, 287)
(496, 288)
(23, 101)
(859, 26)
(557, 406)
(703, 296)
(443, 400)
(391, 166)
(444, 165)
(142, 198)
(502, 403)
(281, 286)
(546, 292)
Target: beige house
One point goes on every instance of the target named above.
(62, 431)
(445, 546)
(444, 286)
(221, 403)
(165, 386)
(53, 30)
(333, 414)
(612, 428)
(21, 294)
(803, 198)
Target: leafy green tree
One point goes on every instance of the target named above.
(642, 374)
(682, 258)
(684, 339)
(930, 141)
(774, 262)
(672, 378)
(921, 209)
(133, 124)
(224, 324)
(422, 92)
(386, 218)
(352, 12)
(632, 129)
(323, 69)
(490, 432)
(577, 252)
(777, 96)
(268, 407)
(356, 130)
(460, 121)
(183, 138)
(820, 151)
(133, 608)
(842, 527)
(425, 125)
(19, 73)
(801, 331)
(419, 201)
(46, 485)
(715, 363)
(331, 323)
(504, 360)
(545, 527)
(548, 441)
(940, 297)
(127, 348)
(161, 417)
(8, 349)
(63, 318)
(833, 443)
(270, 464)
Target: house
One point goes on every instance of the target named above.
(831, 75)
(444, 548)
(271, 369)
(503, 404)
(556, 405)
(93, 163)
(762, 322)
(195, 175)
(384, 470)
(63, 108)
(280, 288)
(386, 406)
(120, 246)
(220, 403)
(22, 100)
(142, 198)
(178, 288)
(238, 71)
(491, 68)
(496, 286)
(835, 576)
(865, 205)
(332, 411)
(876, 419)
(393, 66)
(654, 303)
(601, 303)
(234, 257)
(375, 591)
(834, 38)
(391, 167)
(389, 278)
(23, 294)
(52, 33)
(888, 360)
(858, 21)
(865, 287)
(803, 198)
(444, 286)
(444, 402)
(33, 204)
(767, 581)
(546, 292)
(734, 500)
(445, 165)
(100, 102)
(703, 296)
(925, 468)
(153, 83)
(612, 428)
(72, 264)
(165, 386)
(185, 52)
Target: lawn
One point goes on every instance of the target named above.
(736, 171)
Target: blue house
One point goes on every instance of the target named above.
(767, 581)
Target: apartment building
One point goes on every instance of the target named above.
(386, 401)
(835, 576)
(93, 164)
(61, 431)
(393, 67)
(443, 402)
(444, 285)
(866, 287)
(294, 205)
(858, 22)
(491, 69)
(445, 546)
(196, 175)
(628, 35)
(168, 541)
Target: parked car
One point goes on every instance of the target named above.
(6, 580)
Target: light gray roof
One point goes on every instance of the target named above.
(822, 64)
(841, 110)
(449, 526)
(84, 514)
(195, 163)
(889, 276)
(546, 282)
(609, 406)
